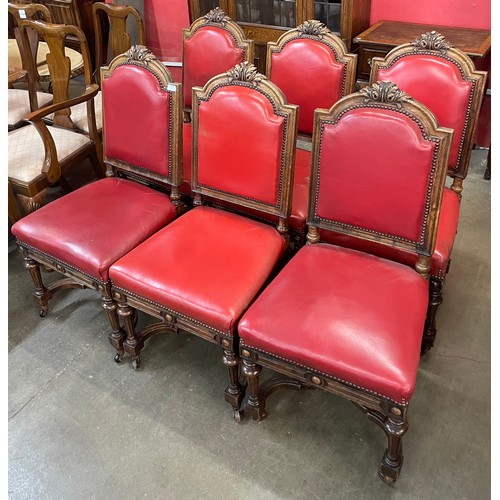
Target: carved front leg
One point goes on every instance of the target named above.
(435, 300)
(42, 294)
(255, 404)
(133, 343)
(234, 392)
(117, 334)
(32, 203)
(395, 428)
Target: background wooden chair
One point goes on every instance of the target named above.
(341, 320)
(112, 36)
(40, 155)
(81, 234)
(25, 94)
(445, 80)
(214, 262)
(212, 45)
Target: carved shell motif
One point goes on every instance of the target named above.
(140, 53)
(431, 41)
(245, 72)
(217, 15)
(314, 28)
(384, 92)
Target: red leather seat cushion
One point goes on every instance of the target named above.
(447, 229)
(207, 265)
(353, 316)
(94, 226)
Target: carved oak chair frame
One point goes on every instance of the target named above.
(143, 58)
(387, 413)
(171, 321)
(434, 44)
(218, 19)
(119, 39)
(27, 42)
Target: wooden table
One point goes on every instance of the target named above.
(383, 36)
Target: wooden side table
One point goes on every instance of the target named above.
(383, 36)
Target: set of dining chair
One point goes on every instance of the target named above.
(296, 223)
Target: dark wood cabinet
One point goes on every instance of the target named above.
(383, 36)
(266, 20)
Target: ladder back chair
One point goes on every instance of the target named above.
(28, 97)
(444, 79)
(313, 68)
(83, 233)
(111, 32)
(212, 45)
(200, 273)
(346, 321)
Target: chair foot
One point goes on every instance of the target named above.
(234, 392)
(388, 470)
(435, 300)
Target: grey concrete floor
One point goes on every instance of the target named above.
(82, 427)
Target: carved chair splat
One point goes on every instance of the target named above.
(214, 262)
(346, 321)
(22, 101)
(83, 233)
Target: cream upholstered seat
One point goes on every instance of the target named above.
(27, 153)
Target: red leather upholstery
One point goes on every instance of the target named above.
(447, 229)
(437, 83)
(350, 315)
(187, 142)
(222, 143)
(309, 75)
(131, 97)
(363, 141)
(207, 265)
(209, 52)
(94, 226)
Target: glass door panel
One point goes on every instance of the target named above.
(328, 12)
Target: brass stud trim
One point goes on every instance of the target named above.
(245, 353)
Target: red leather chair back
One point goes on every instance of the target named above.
(211, 46)
(244, 141)
(142, 116)
(379, 165)
(444, 79)
(312, 67)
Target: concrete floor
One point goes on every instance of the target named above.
(82, 427)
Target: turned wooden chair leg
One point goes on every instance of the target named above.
(132, 343)
(234, 392)
(435, 300)
(392, 461)
(42, 294)
(255, 404)
(117, 335)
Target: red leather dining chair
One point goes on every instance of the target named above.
(313, 68)
(445, 80)
(212, 45)
(213, 261)
(342, 320)
(82, 233)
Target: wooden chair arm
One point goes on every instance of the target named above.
(36, 116)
